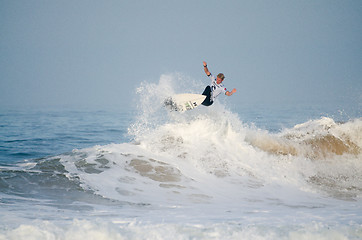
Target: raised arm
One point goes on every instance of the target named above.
(206, 69)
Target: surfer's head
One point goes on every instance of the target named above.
(220, 77)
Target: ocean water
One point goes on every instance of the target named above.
(282, 171)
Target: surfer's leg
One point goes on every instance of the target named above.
(207, 93)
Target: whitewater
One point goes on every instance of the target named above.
(202, 174)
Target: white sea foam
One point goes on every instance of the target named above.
(82, 229)
(208, 159)
(205, 174)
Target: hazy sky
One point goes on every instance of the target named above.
(80, 53)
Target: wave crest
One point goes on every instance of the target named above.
(315, 139)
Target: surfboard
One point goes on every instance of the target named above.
(184, 102)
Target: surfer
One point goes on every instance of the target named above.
(215, 88)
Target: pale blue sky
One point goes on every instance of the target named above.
(79, 53)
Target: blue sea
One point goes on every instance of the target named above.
(228, 171)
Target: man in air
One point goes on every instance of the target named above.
(215, 88)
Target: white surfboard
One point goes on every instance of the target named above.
(184, 102)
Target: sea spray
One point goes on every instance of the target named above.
(200, 174)
(176, 155)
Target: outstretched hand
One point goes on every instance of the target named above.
(231, 93)
(205, 64)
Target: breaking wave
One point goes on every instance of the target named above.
(203, 164)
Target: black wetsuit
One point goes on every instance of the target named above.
(207, 93)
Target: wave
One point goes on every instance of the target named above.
(207, 155)
(176, 155)
(78, 229)
(315, 139)
(202, 173)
